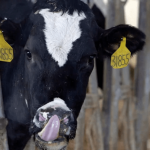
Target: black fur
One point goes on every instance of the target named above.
(64, 6)
(15, 10)
(100, 19)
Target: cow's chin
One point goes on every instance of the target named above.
(59, 144)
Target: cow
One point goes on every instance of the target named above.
(54, 44)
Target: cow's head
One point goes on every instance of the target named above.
(60, 40)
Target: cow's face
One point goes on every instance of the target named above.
(60, 50)
(60, 55)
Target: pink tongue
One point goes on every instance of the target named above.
(51, 130)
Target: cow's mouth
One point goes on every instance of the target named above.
(53, 124)
(51, 136)
(50, 132)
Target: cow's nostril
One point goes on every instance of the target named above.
(66, 120)
(42, 110)
(41, 118)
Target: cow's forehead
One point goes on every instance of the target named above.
(61, 31)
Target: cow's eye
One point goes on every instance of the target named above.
(29, 55)
(91, 58)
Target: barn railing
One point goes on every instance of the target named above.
(3, 124)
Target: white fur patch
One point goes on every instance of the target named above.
(36, 122)
(61, 30)
(26, 102)
(68, 131)
(55, 104)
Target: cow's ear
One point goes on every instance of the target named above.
(16, 32)
(109, 40)
(16, 10)
(11, 30)
(13, 14)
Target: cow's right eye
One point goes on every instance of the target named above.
(91, 58)
(28, 53)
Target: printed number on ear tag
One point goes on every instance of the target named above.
(6, 51)
(121, 57)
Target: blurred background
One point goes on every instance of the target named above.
(115, 115)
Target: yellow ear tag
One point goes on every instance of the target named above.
(6, 51)
(121, 57)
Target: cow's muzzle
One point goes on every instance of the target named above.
(53, 124)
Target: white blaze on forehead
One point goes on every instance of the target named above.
(61, 30)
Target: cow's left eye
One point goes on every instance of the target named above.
(29, 55)
(91, 58)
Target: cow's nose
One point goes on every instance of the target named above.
(44, 118)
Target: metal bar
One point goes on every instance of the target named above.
(142, 80)
(116, 94)
(97, 119)
(79, 140)
(3, 124)
(110, 21)
(112, 77)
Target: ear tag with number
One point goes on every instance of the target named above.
(6, 51)
(121, 57)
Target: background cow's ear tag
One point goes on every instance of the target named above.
(6, 51)
(121, 57)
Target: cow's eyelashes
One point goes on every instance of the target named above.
(28, 53)
(91, 58)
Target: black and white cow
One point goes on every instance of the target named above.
(54, 42)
